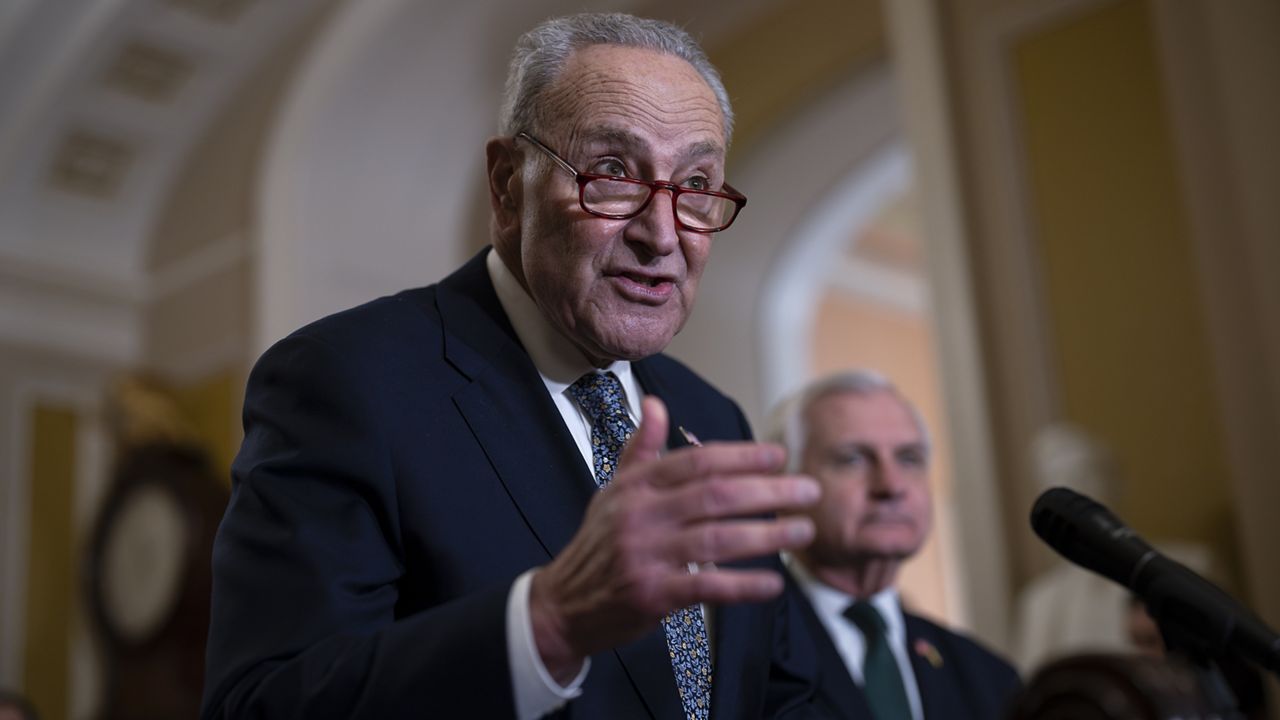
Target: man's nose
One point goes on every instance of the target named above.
(655, 226)
(887, 480)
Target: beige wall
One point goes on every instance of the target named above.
(1219, 61)
(1105, 295)
(791, 53)
(1125, 309)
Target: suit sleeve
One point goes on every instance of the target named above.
(308, 562)
(791, 687)
(793, 673)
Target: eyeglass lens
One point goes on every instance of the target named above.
(615, 197)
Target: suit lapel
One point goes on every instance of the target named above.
(508, 409)
(652, 382)
(836, 687)
(939, 697)
(525, 438)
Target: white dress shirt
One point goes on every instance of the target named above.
(829, 604)
(560, 364)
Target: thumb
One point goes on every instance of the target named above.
(650, 439)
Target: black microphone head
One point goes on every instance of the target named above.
(1204, 619)
(1086, 533)
(1056, 514)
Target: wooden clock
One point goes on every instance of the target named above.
(148, 579)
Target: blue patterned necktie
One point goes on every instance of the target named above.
(882, 681)
(600, 397)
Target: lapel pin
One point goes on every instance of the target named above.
(689, 437)
(926, 650)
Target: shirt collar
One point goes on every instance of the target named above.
(557, 360)
(831, 603)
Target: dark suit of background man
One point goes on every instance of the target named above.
(416, 528)
(869, 450)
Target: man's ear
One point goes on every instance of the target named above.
(505, 184)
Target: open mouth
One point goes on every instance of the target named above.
(644, 280)
(645, 289)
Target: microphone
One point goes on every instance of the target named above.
(1189, 609)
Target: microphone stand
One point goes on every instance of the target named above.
(1197, 638)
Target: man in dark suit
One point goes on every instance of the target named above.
(417, 527)
(868, 448)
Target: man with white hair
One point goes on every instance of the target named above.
(869, 450)
(472, 500)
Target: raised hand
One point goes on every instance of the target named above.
(627, 566)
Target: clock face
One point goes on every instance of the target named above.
(142, 562)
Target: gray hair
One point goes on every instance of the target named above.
(787, 422)
(541, 54)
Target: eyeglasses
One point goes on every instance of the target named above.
(619, 198)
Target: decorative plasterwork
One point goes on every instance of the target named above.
(148, 71)
(100, 101)
(88, 163)
(224, 11)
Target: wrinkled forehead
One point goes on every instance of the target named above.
(634, 95)
(880, 417)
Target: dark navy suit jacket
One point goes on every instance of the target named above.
(958, 679)
(402, 464)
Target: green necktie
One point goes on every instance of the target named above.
(882, 682)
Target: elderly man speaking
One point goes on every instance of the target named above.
(484, 498)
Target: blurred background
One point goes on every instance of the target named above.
(1055, 223)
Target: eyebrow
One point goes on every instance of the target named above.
(863, 446)
(629, 141)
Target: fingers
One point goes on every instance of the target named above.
(702, 504)
(727, 497)
(719, 459)
(645, 450)
(628, 562)
(726, 541)
(715, 459)
(721, 586)
(650, 439)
